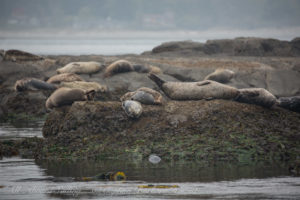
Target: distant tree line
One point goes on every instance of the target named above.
(149, 14)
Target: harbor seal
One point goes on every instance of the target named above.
(66, 96)
(133, 109)
(290, 103)
(195, 90)
(33, 84)
(116, 67)
(17, 55)
(146, 69)
(258, 96)
(144, 95)
(81, 68)
(86, 86)
(65, 77)
(220, 75)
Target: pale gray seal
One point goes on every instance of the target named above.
(258, 96)
(133, 109)
(33, 84)
(65, 77)
(81, 68)
(144, 95)
(290, 103)
(66, 96)
(220, 75)
(116, 67)
(195, 90)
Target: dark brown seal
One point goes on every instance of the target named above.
(116, 67)
(290, 103)
(17, 55)
(66, 96)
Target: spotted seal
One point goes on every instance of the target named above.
(133, 109)
(33, 84)
(65, 77)
(144, 95)
(195, 90)
(66, 96)
(81, 68)
(290, 103)
(220, 75)
(116, 67)
(258, 96)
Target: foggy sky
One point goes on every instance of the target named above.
(148, 14)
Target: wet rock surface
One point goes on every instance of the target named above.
(178, 130)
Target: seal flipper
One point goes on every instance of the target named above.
(90, 95)
(156, 79)
(203, 83)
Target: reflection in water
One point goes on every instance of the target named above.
(21, 129)
(25, 179)
(163, 172)
(44, 179)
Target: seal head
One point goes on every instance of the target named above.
(133, 109)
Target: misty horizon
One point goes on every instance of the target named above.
(156, 15)
(24, 24)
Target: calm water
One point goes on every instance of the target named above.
(30, 179)
(21, 129)
(82, 46)
(120, 42)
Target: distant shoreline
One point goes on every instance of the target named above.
(282, 33)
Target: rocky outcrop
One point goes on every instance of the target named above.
(279, 75)
(231, 47)
(197, 130)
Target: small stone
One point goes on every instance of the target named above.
(154, 159)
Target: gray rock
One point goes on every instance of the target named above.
(283, 82)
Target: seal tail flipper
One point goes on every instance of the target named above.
(156, 79)
(90, 95)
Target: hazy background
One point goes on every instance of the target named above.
(141, 22)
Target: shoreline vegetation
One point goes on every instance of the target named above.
(203, 130)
